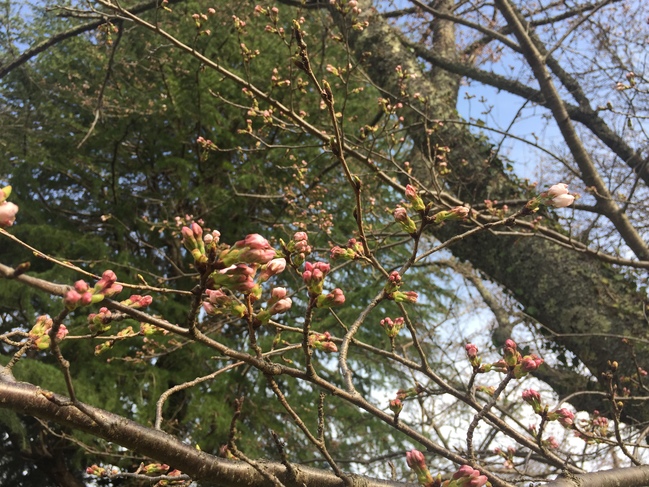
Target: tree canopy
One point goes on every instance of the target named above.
(272, 243)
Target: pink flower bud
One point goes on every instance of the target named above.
(558, 190)
(415, 459)
(414, 198)
(562, 201)
(405, 297)
(281, 306)
(400, 215)
(71, 299)
(7, 213)
(565, 417)
(274, 267)
(300, 237)
(334, 298)
(81, 286)
(395, 406)
(471, 350)
(278, 293)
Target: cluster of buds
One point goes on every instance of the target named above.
(322, 342)
(173, 473)
(353, 251)
(219, 302)
(508, 455)
(193, 242)
(458, 213)
(407, 224)
(565, 417)
(467, 476)
(334, 299)
(416, 203)
(298, 248)
(7, 210)
(39, 335)
(237, 277)
(533, 398)
(514, 361)
(403, 394)
(594, 427)
(96, 470)
(314, 275)
(83, 295)
(392, 292)
(154, 469)
(392, 328)
(101, 322)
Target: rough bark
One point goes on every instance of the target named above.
(567, 292)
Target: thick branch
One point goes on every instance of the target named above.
(617, 477)
(28, 399)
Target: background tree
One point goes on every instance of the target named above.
(250, 79)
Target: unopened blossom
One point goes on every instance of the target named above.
(237, 277)
(472, 354)
(454, 214)
(333, 299)
(254, 249)
(557, 190)
(400, 215)
(395, 406)
(193, 242)
(274, 267)
(558, 196)
(417, 462)
(413, 197)
(551, 442)
(281, 306)
(8, 212)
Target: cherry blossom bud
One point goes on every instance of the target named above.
(274, 267)
(254, 249)
(562, 201)
(533, 398)
(394, 282)
(322, 342)
(96, 470)
(472, 354)
(136, 301)
(416, 461)
(331, 300)
(281, 306)
(8, 212)
(565, 417)
(71, 299)
(510, 353)
(100, 322)
(392, 328)
(405, 297)
(415, 200)
(400, 215)
(558, 190)
(467, 476)
(81, 286)
(314, 275)
(155, 469)
(395, 406)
